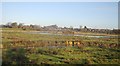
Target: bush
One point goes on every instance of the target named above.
(15, 56)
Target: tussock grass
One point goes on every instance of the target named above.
(51, 49)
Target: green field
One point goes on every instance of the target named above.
(23, 48)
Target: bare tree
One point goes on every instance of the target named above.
(71, 27)
(14, 24)
(20, 25)
(80, 27)
(9, 25)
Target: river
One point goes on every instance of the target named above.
(82, 35)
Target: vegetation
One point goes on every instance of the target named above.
(20, 47)
(55, 28)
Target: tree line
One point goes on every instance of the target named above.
(39, 28)
(20, 25)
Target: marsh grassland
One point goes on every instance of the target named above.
(19, 47)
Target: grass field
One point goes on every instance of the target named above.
(23, 48)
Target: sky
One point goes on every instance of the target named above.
(59, 0)
(91, 14)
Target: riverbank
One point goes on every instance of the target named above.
(55, 32)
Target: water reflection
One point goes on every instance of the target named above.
(82, 35)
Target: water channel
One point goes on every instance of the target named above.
(82, 35)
